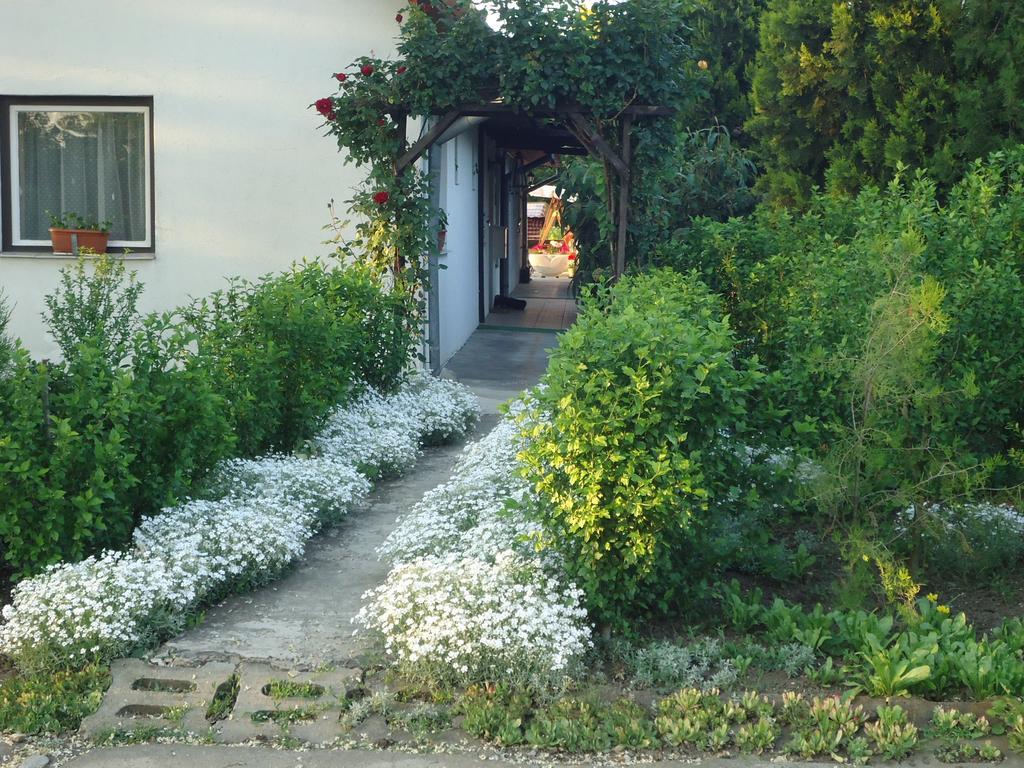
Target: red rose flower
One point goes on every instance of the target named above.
(366, 69)
(341, 77)
(401, 70)
(381, 197)
(325, 107)
(398, 18)
(382, 121)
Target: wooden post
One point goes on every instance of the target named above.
(401, 131)
(623, 212)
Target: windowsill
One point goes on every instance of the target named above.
(71, 257)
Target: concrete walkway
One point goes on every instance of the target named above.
(305, 619)
(170, 756)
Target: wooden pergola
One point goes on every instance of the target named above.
(568, 129)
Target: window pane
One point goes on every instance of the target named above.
(89, 163)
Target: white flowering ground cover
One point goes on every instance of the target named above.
(468, 598)
(255, 520)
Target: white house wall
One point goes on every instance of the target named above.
(242, 175)
(458, 286)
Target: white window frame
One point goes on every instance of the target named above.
(15, 193)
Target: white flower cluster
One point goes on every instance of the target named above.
(324, 485)
(465, 619)
(373, 432)
(257, 520)
(468, 598)
(1001, 518)
(91, 608)
(474, 513)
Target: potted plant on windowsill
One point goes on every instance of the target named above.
(70, 233)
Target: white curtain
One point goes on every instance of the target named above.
(89, 163)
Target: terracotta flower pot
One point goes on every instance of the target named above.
(87, 238)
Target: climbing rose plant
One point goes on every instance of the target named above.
(539, 55)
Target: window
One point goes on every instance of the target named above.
(89, 156)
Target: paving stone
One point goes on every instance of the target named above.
(258, 715)
(36, 761)
(144, 694)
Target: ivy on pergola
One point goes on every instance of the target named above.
(582, 77)
(618, 163)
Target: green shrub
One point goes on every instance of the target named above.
(630, 443)
(800, 290)
(288, 348)
(96, 303)
(849, 93)
(142, 407)
(926, 650)
(127, 422)
(64, 459)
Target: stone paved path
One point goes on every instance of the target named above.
(171, 756)
(305, 619)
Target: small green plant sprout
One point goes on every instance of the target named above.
(742, 664)
(828, 726)
(224, 699)
(681, 730)
(1015, 734)
(810, 743)
(742, 613)
(629, 725)
(825, 674)
(800, 562)
(756, 737)
(285, 717)
(496, 716)
(894, 670)
(72, 220)
(965, 752)
(893, 736)
(757, 706)
(989, 752)
(858, 751)
(795, 709)
(952, 724)
(719, 737)
(176, 714)
(690, 717)
(837, 714)
(422, 719)
(291, 689)
(734, 712)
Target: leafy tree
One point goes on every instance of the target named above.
(724, 36)
(847, 92)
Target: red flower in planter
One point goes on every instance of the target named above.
(341, 77)
(401, 70)
(382, 122)
(367, 69)
(325, 107)
(381, 197)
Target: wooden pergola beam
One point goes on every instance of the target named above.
(593, 141)
(539, 184)
(416, 150)
(489, 108)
